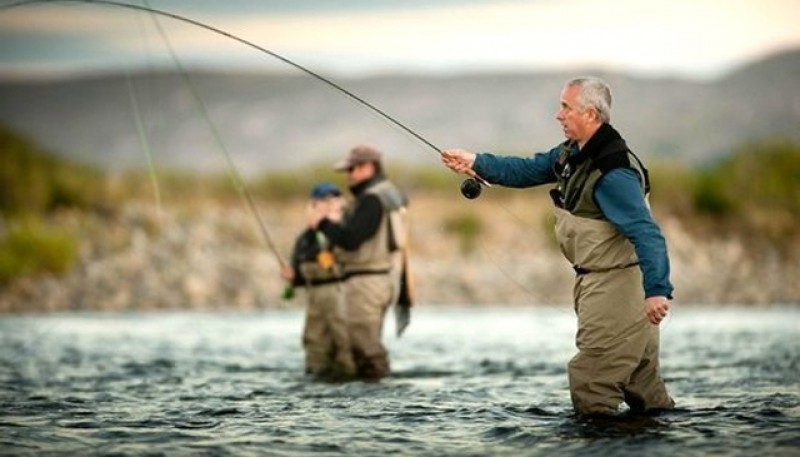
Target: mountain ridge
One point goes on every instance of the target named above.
(271, 122)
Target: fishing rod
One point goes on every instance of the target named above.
(232, 171)
(470, 188)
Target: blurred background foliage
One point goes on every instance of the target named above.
(753, 192)
(29, 247)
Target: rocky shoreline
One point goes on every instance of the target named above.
(212, 256)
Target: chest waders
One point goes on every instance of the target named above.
(371, 285)
(617, 359)
(325, 334)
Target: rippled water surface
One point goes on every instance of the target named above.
(466, 382)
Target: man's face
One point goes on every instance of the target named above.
(359, 173)
(577, 123)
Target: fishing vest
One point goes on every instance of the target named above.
(323, 267)
(578, 176)
(377, 254)
(586, 238)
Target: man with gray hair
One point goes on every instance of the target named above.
(606, 230)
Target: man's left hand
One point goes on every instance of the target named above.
(656, 308)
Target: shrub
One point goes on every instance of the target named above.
(31, 248)
(710, 195)
(34, 181)
(754, 191)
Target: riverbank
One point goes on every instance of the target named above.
(211, 255)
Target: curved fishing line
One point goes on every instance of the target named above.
(233, 172)
(145, 130)
(144, 143)
(231, 167)
(544, 299)
(216, 30)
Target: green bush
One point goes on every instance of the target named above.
(756, 174)
(34, 181)
(711, 196)
(754, 191)
(766, 175)
(31, 248)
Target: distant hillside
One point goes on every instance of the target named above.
(270, 122)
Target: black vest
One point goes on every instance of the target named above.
(578, 174)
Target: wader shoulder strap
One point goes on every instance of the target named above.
(617, 155)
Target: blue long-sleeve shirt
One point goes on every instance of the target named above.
(618, 194)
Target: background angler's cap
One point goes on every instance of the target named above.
(357, 156)
(325, 189)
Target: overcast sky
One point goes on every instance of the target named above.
(687, 38)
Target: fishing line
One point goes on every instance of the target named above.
(252, 45)
(544, 299)
(144, 143)
(145, 131)
(472, 187)
(233, 172)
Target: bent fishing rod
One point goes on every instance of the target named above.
(470, 188)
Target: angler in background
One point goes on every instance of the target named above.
(605, 229)
(371, 243)
(315, 267)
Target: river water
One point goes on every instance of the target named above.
(489, 381)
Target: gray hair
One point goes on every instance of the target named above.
(594, 93)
